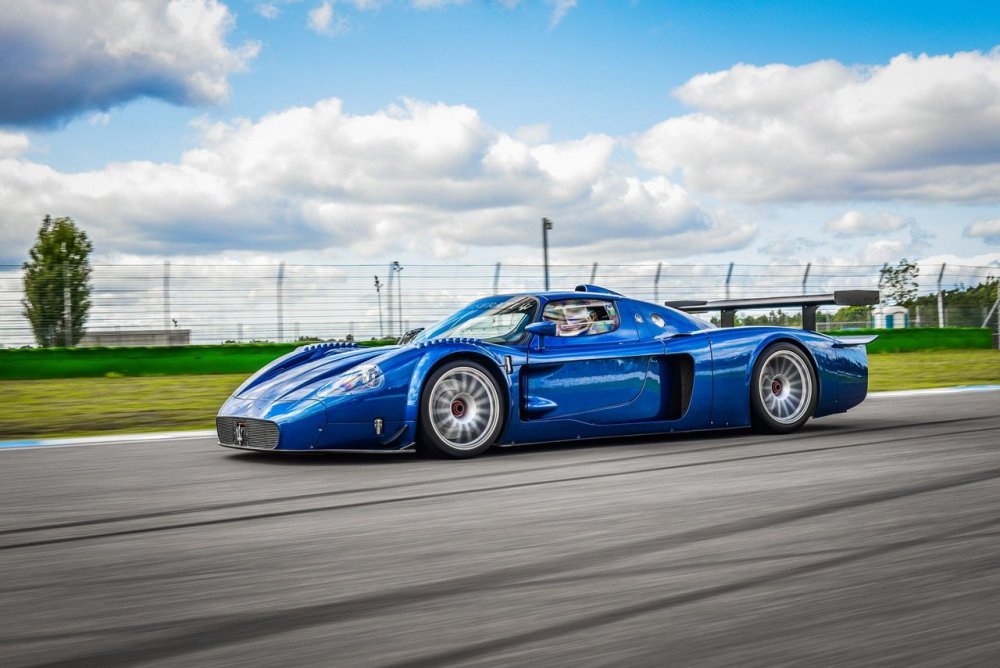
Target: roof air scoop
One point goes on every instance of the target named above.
(587, 287)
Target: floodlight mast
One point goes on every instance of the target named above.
(546, 226)
(378, 293)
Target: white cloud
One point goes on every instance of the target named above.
(322, 20)
(436, 4)
(559, 10)
(987, 230)
(99, 118)
(13, 144)
(918, 128)
(268, 10)
(537, 133)
(882, 251)
(58, 59)
(417, 178)
(855, 223)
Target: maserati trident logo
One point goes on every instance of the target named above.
(240, 433)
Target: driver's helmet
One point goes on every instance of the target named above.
(575, 320)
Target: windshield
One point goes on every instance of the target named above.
(493, 319)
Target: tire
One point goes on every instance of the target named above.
(783, 389)
(461, 410)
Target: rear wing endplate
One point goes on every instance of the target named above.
(850, 341)
(809, 304)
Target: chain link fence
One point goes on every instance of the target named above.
(211, 304)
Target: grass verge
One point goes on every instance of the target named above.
(39, 363)
(86, 406)
(939, 368)
(924, 338)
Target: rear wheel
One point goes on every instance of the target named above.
(461, 410)
(782, 390)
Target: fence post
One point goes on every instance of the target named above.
(593, 274)
(496, 279)
(805, 278)
(398, 268)
(729, 278)
(281, 315)
(656, 283)
(166, 295)
(940, 299)
(399, 298)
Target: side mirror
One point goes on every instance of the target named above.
(541, 330)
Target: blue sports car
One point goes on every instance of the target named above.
(552, 366)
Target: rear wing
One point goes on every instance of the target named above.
(809, 304)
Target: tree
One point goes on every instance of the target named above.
(899, 284)
(966, 306)
(57, 283)
(854, 315)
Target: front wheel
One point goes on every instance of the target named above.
(461, 410)
(782, 390)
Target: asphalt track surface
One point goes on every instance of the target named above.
(871, 538)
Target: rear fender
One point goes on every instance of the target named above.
(736, 350)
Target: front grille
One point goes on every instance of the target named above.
(257, 434)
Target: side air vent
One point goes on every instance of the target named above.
(681, 385)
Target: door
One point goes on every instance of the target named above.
(595, 369)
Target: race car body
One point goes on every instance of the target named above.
(539, 367)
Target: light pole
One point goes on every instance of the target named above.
(378, 293)
(396, 267)
(546, 226)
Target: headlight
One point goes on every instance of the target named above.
(360, 379)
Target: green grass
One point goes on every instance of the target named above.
(925, 338)
(78, 407)
(38, 363)
(940, 368)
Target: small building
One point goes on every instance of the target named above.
(135, 337)
(890, 317)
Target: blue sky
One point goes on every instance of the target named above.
(762, 132)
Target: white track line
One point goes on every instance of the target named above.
(105, 440)
(936, 390)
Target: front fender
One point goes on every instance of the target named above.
(439, 351)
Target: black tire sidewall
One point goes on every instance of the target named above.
(428, 441)
(760, 418)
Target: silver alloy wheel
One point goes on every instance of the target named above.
(464, 408)
(786, 386)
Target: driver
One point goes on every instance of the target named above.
(575, 320)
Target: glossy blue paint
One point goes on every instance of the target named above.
(659, 371)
